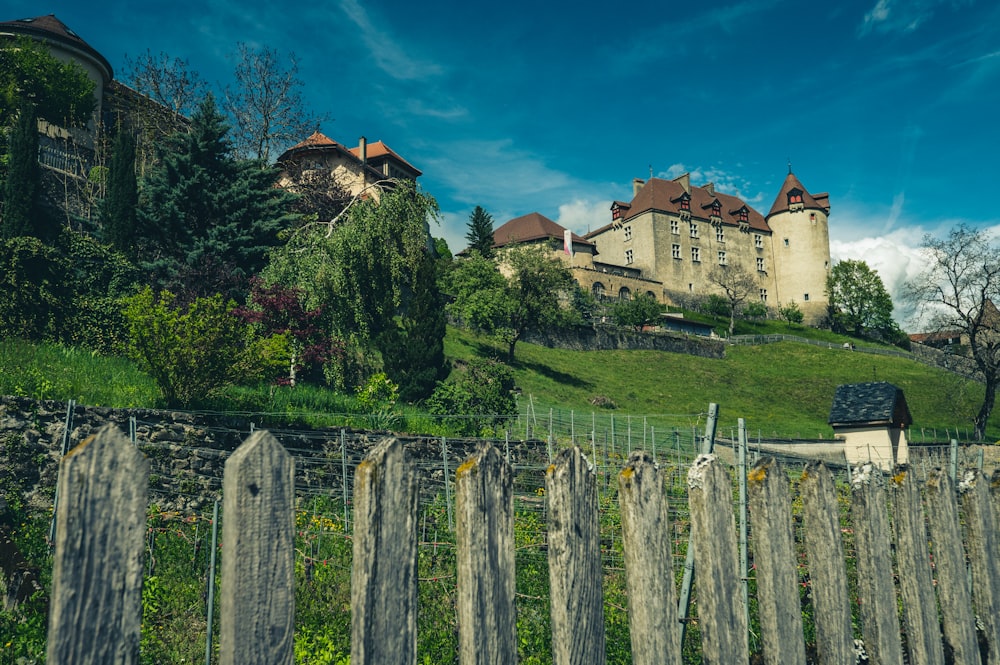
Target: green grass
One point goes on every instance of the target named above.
(783, 389)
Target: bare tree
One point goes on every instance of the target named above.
(167, 81)
(265, 104)
(957, 291)
(737, 285)
(318, 190)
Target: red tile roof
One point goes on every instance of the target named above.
(816, 202)
(532, 226)
(380, 149)
(665, 196)
(51, 28)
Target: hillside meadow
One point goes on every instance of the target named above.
(780, 390)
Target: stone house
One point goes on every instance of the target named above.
(871, 419)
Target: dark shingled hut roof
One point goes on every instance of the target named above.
(875, 403)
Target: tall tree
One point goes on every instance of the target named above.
(480, 235)
(737, 285)
(265, 103)
(21, 211)
(368, 274)
(858, 299)
(957, 292)
(637, 312)
(118, 209)
(61, 92)
(208, 220)
(533, 292)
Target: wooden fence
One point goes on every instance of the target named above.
(100, 522)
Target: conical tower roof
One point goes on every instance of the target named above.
(815, 201)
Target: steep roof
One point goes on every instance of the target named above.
(380, 149)
(666, 195)
(819, 201)
(532, 226)
(873, 403)
(49, 28)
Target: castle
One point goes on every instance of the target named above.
(668, 240)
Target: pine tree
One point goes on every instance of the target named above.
(118, 210)
(480, 235)
(208, 219)
(21, 214)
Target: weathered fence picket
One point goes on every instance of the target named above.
(649, 576)
(257, 602)
(877, 595)
(981, 537)
(384, 569)
(957, 621)
(97, 573)
(720, 603)
(96, 602)
(484, 535)
(776, 564)
(575, 572)
(827, 570)
(916, 585)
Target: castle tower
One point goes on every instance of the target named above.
(801, 246)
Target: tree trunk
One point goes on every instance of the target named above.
(987, 408)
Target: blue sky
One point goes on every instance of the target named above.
(889, 105)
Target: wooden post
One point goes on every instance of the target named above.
(96, 602)
(916, 585)
(775, 558)
(876, 594)
(484, 534)
(957, 620)
(652, 600)
(384, 573)
(257, 599)
(827, 571)
(981, 547)
(713, 528)
(575, 572)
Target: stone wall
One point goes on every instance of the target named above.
(612, 338)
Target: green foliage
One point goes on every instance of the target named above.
(477, 398)
(189, 352)
(755, 311)
(61, 91)
(20, 209)
(533, 292)
(791, 313)
(858, 300)
(206, 220)
(118, 209)
(37, 294)
(716, 305)
(372, 278)
(637, 312)
(480, 234)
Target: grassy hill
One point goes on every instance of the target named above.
(782, 389)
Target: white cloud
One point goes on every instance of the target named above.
(905, 16)
(385, 48)
(582, 216)
(725, 182)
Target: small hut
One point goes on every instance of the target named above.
(871, 419)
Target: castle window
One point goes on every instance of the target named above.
(758, 241)
(763, 295)
(722, 258)
(675, 251)
(720, 235)
(812, 217)
(624, 294)
(686, 203)
(805, 297)
(760, 264)
(694, 230)
(598, 290)
(628, 256)
(616, 213)
(744, 215)
(628, 232)
(786, 242)
(794, 196)
(675, 227)
(695, 254)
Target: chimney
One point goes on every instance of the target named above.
(685, 182)
(637, 184)
(710, 188)
(363, 150)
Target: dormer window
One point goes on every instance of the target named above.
(744, 215)
(685, 202)
(616, 213)
(795, 199)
